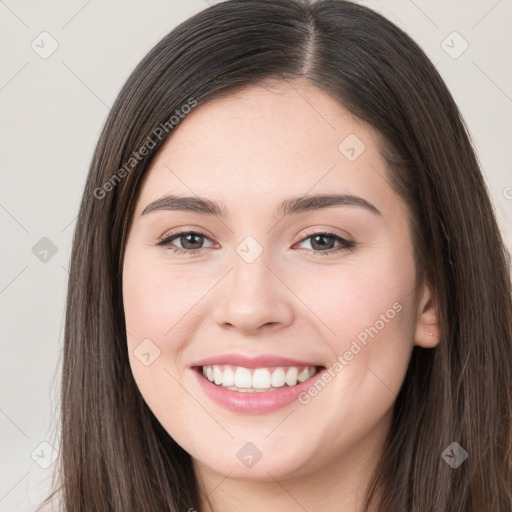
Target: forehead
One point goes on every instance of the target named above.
(268, 141)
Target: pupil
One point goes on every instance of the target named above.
(321, 237)
(191, 235)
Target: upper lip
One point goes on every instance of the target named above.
(262, 361)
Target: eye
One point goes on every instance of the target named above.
(191, 242)
(320, 241)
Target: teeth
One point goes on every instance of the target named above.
(278, 378)
(239, 378)
(291, 376)
(243, 378)
(228, 378)
(303, 375)
(261, 379)
(217, 374)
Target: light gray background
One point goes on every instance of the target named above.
(52, 111)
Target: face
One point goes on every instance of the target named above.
(260, 296)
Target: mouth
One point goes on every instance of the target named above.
(257, 380)
(250, 384)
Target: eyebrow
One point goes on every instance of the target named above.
(289, 206)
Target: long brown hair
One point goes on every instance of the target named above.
(114, 454)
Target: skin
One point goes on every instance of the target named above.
(250, 151)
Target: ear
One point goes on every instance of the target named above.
(427, 333)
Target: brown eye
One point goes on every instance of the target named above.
(321, 242)
(191, 242)
(324, 243)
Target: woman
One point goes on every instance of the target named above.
(287, 289)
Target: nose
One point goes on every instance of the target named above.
(253, 298)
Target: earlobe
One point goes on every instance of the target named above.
(428, 339)
(427, 333)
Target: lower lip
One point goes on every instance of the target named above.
(254, 402)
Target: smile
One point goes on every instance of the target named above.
(255, 385)
(253, 380)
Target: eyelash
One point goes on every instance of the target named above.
(166, 242)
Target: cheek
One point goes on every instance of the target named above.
(366, 315)
(354, 297)
(155, 299)
(155, 306)
(149, 308)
